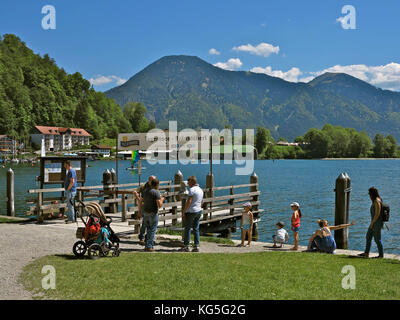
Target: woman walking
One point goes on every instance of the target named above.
(375, 228)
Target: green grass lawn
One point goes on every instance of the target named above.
(266, 275)
(11, 220)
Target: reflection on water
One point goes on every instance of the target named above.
(309, 182)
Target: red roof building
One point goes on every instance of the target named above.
(59, 138)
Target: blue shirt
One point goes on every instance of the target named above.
(71, 174)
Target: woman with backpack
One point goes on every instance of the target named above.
(376, 226)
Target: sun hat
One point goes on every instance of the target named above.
(295, 204)
(280, 224)
(247, 204)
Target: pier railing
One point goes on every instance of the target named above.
(222, 205)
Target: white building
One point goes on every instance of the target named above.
(58, 139)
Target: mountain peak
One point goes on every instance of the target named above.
(199, 95)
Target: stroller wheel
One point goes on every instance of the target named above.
(95, 251)
(79, 248)
(116, 252)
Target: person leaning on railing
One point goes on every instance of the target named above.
(138, 195)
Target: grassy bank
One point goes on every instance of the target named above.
(267, 275)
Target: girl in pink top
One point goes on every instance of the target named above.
(295, 223)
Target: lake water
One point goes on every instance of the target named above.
(309, 182)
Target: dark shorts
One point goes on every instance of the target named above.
(295, 229)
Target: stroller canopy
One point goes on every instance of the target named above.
(95, 209)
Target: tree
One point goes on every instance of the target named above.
(391, 146)
(319, 143)
(379, 146)
(263, 136)
(135, 113)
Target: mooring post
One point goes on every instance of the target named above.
(210, 192)
(10, 193)
(342, 204)
(254, 180)
(178, 179)
(107, 180)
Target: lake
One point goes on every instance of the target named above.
(309, 182)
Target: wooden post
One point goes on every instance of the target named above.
(10, 193)
(114, 180)
(124, 208)
(254, 179)
(342, 201)
(80, 198)
(39, 205)
(210, 192)
(178, 179)
(107, 180)
(231, 201)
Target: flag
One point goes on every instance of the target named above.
(135, 157)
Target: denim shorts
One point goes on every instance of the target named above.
(295, 229)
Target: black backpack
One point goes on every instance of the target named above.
(385, 212)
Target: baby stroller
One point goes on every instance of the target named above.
(97, 237)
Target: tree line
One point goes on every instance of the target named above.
(35, 91)
(328, 142)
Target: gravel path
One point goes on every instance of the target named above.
(22, 243)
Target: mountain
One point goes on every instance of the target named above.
(200, 95)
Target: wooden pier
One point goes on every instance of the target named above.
(222, 204)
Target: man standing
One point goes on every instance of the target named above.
(138, 193)
(192, 214)
(152, 201)
(70, 187)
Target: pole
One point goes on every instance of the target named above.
(10, 193)
(116, 159)
(342, 202)
(211, 156)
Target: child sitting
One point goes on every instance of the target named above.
(281, 235)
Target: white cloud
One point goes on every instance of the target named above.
(262, 49)
(231, 64)
(384, 76)
(214, 51)
(291, 75)
(100, 80)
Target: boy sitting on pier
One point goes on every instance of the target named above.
(281, 235)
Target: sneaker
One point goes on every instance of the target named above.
(141, 242)
(148, 249)
(196, 249)
(184, 249)
(363, 255)
(69, 221)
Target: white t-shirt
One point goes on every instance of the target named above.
(197, 196)
(281, 235)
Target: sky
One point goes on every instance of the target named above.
(110, 41)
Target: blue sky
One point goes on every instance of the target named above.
(110, 41)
